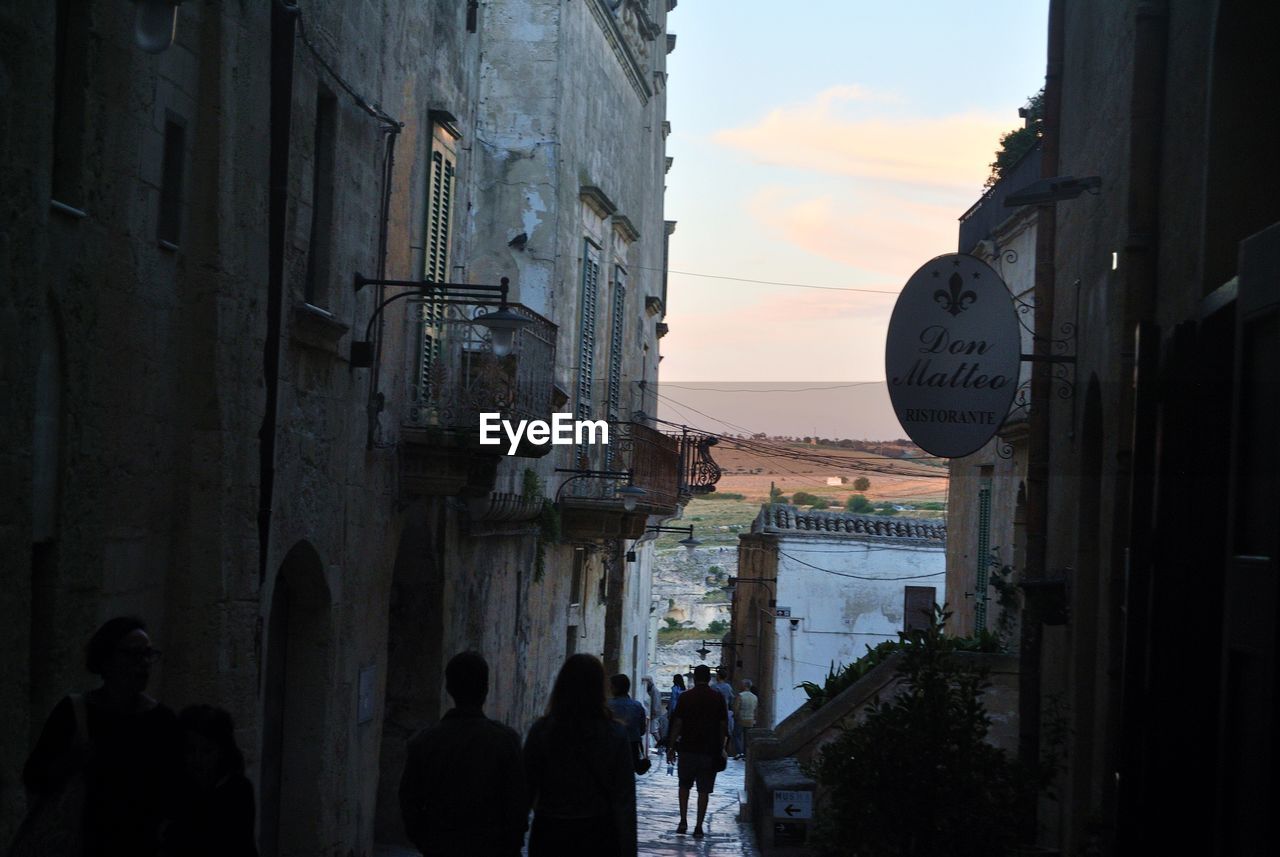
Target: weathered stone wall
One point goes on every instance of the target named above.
(136, 432)
(135, 373)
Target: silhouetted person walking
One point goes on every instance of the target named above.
(580, 771)
(216, 817)
(463, 791)
(118, 744)
(699, 730)
(630, 713)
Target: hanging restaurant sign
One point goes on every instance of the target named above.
(952, 355)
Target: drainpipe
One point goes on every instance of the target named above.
(1038, 441)
(1135, 478)
(283, 18)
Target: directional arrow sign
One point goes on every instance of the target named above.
(793, 804)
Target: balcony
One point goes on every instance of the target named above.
(591, 510)
(699, 472)
(456, 378)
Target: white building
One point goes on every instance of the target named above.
(817, 588)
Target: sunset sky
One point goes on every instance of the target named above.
(830, 143)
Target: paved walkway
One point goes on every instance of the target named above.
(658, 813)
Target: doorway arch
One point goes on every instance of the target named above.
(415, 668)
(295, 706)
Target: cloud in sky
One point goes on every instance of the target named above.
(874, 231)
(849, 131)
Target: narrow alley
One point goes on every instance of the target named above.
(658, 813)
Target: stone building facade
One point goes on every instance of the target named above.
(1149, 601)
(986, 492)
(215, 426)
(842, 582)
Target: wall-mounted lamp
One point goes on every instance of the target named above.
(629, 493)
(1056, 189)
(704, 651)
(155, 24)
(768, 582)
(689, 543)
(502, 322)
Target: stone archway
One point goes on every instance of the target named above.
(415, 669)
(298, 663)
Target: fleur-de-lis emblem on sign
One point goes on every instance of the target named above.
(958, 299)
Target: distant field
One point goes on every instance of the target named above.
(718, 520)
(906, 480)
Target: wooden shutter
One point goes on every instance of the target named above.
(587, 334)
(435, 266)
(984, 559)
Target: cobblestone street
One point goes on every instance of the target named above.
(658, 813)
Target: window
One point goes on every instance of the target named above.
(917, 607)
(615, 351)
(437, 232)
(576, 582)
(169, 217)
(984, 559)
(319, 253)
(70, 76)
(587, 335)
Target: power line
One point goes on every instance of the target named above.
(774, 282)
(672, 386)
(859, 576)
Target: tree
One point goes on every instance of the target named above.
(859, 504)
(862, 483)
(803, 498)
(717, 627)
(1017, 142)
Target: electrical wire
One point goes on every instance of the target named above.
(370, 107)
(774, 282)
(673, 386)
(858, 576)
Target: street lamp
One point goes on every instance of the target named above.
(155, 24)
(629, 493)
(502, 322)
(769, 582)
(689, 543)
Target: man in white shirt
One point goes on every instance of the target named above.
(744, 711)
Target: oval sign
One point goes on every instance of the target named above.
(952, 355)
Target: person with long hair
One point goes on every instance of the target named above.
(579, 770)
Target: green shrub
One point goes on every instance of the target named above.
(862, 483)
(717, 627)
(916, 776)
(803, 498)
(859, 504)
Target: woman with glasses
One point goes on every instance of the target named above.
(114, 750)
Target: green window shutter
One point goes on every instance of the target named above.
(435, 269)
(615, 352)
(587, 333)
(984, 559)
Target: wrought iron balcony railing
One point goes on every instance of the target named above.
(699, 472)
(457, 377)
(651, 457)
